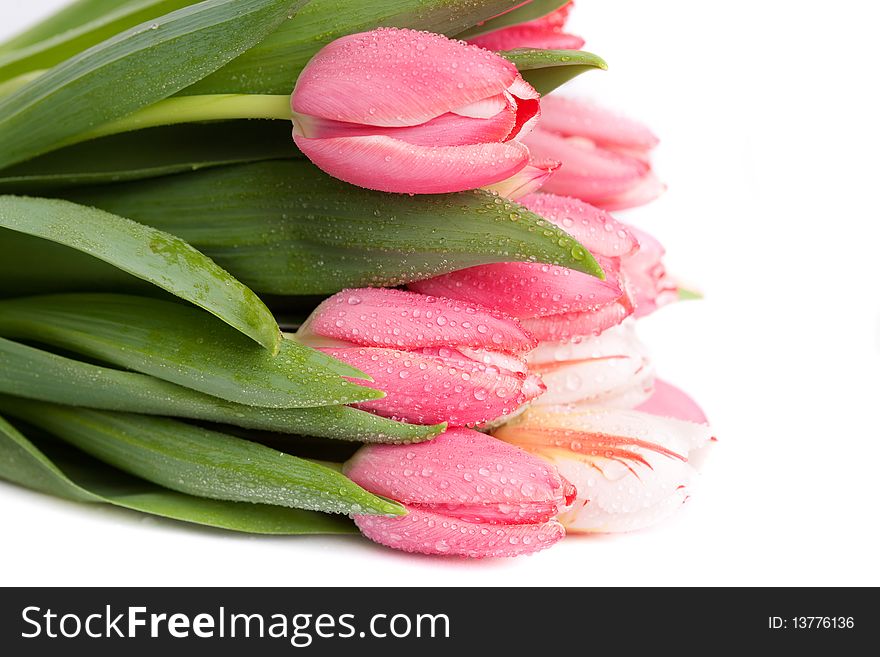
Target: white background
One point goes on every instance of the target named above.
(768, 112)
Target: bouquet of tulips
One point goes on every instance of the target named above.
(414, 317)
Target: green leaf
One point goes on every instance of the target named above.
(150, 153)
(131, 70)
(273, 66)
(64, 472)
(522, 14)
(96, 21)
(183, 345)
(162, 259)
(36, 374)
(546, 70)
(200, 462)
(689, 295)
(284, 227)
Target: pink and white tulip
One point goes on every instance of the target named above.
(631, 469)
(466, 494)
(612, 369)
(546, 32)
(437, 360)
(412, 112)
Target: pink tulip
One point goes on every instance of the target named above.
(668, 401)
(602, 177)
(437, 360)
(545, 32)
(466, 494)
(612, 369)
(630, 468)
(412, 112)
(647, 281)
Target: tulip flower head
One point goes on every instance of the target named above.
(631, 469)
(413, 112)
(437, 360)
(466, 494)
(546, 32)
(605, 156)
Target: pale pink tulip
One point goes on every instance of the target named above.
(437, 360)
(466, 494)
(645, 274)
(546, 32)
(608, 179)
(668, 401)
(412, 112)
(612, 369)
(630, 468)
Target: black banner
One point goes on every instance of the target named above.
(506, 622)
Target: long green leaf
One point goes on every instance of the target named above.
(54, 47)
(284, 227)
(183, 345)
(36, 374)
(131, 70)
(151, 153)
(160, 258)
(64, 472)
(273, 66)
(527, 12)
(200, 462)
(546, 70)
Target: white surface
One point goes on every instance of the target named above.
(769, 118)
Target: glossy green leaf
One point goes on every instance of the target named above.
(200, 462)
(96, 21)
(151, 153)
(546, 70)
(527, 12)
(35, 374)
(181, 344)
(273, 66)
(131, 70)
(160, 258)
(284, 227)
(62, 471)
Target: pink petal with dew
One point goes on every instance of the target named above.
(606, 128)
(590, 173)
(645, 276)
(425, 532)
(527, 180)
(463, 474)
(382, 317)
(528, 108)
(597, 230)
(528, 36)
(524, 289)
(445, 130)
(392, 77)
(669, 401)
(390, 165)
(427, 389)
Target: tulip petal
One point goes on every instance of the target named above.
(425, 532)
(590, 173)
(527, 180)
(463, 474)
(523, 289)
(528, 109)
(648, 189)
(669, 401)
(645, 275)
(381, 317)
(428, 389)
(604, 127)
(597, 230)
(394, 77)
(527, 36)
(391, 165)
(485, 108)
(568, 326)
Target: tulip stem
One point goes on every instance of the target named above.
(191, 109)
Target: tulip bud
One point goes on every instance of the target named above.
(412, 112)
(630, 468)
(437, 360)
(466, 494)
(546, 32)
